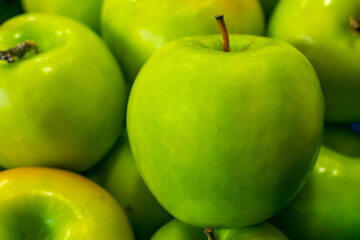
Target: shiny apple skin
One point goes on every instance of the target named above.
(134, 30)
(328, 207)
(320, 29)
(225, 139)
(118, 174)
(84, 11)
(43, 203)
(64, 107)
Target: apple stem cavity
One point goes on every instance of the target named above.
(247, 46)
(19, 51)
(224, 32)
(210, 233)
(355, 24)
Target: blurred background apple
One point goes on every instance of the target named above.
(135, 29)
(84, 11)
(118, 174)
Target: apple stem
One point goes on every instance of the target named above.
(210, 233)
(19, 51)
(224, 32)
(355, 24)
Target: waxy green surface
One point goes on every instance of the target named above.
(84, 11)
(176, 230)
(213, 132)
(134, 30)
(63, 107)
(328, 207)
(52, 204)
(321, 30)
(118, 174)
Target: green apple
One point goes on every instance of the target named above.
(343, 139)
(44, 203)
(63, 107)
(135, 29)
(9, 8)
(84, 11)
(213, 132)
(325, 31)
(268, 7)
(118, 174)
(176, 230)
(328, 206)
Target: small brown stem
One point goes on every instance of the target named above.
(224, 32)
(355, 24)
(19, 51)
(210, 233)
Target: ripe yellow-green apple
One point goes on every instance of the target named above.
(63, 107)
(118, 174)
(225, 139)
(84, 11)
(342, 138)
(43, 203)
(328, 33)
(9, 8)
(134, 30)
(328, 206)
(177, 230)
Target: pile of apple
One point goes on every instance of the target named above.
(140, 119)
